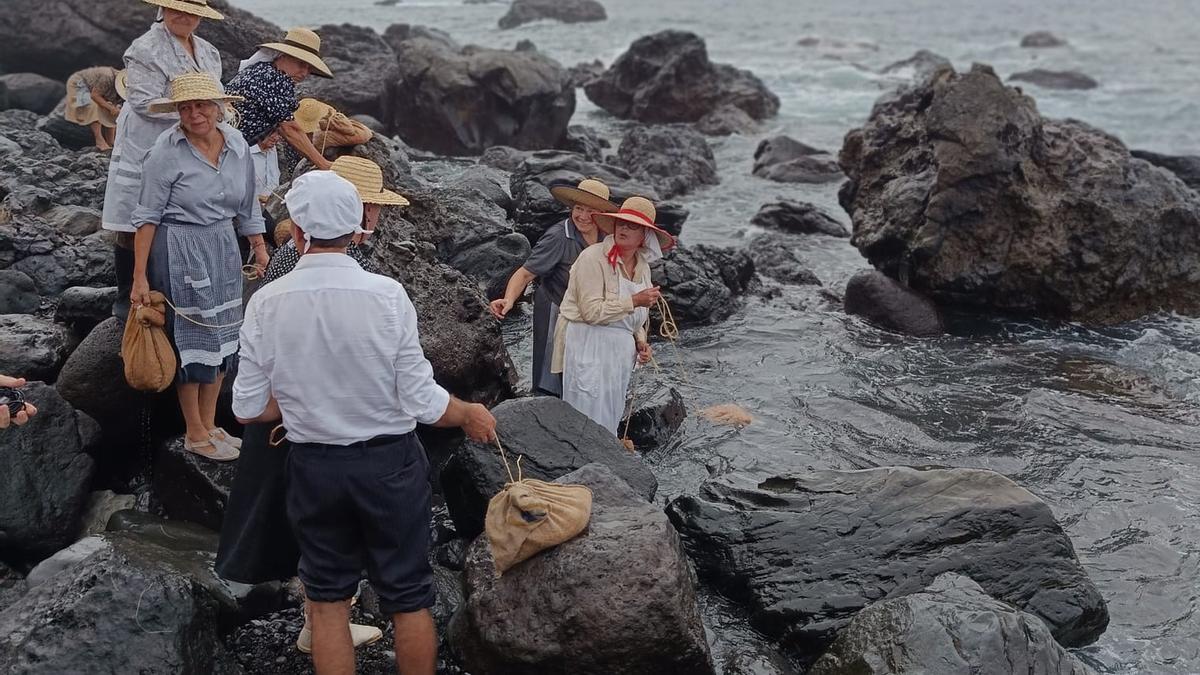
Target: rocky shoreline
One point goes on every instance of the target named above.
(1006, 211)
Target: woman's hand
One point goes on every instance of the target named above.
(644, 352)
(501, 307)
(261, 259)
(647, 298)
(139, 295)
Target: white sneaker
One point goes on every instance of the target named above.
(226, 438)
(361, 635)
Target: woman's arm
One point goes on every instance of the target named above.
(250, 222)
(516, 287)
(103, 102)
(303, 144)
(142, 241)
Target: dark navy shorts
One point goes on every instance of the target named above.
(363, 507)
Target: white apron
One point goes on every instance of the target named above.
(598, 362)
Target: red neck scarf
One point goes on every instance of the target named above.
(614, 256)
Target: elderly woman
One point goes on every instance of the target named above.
(605, 312)
(93, 100)
(368, 178)
(169, 49)
(198, 184)
(267, 81)
(550, 263)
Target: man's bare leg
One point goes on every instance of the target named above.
(332, 648)
(416, 643)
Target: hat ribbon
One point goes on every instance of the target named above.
(198, 3)
(297, 45)
(637, 214)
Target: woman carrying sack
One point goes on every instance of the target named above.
(199, 178)
(94, 100)
(605, 313)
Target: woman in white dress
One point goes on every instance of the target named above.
(605, 313)
(169, 49)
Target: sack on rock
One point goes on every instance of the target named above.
(341, 131)
(150, 362)
(529, 516)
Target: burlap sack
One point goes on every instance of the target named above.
(530, 516)
(150, 362)
(340, 131)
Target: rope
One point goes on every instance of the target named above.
(188, 318)
(504, 457)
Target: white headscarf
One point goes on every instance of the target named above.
(325, 206)
(263, 55)
(651, 248)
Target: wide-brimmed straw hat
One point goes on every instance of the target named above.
(197, 7)
(121, 84)
(192, 87)
(639, 211)
(590, 193)
(305, 45)
(311, 113)
(367, 177)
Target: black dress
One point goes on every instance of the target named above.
(551, 262)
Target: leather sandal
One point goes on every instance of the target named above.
(212, 449)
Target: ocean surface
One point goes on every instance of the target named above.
(1099, 422)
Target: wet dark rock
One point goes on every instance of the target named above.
(537, 209)
(951, 626)
(31, 347)
(582, 73)
(68, 134)
(448, 597)
(365, 72)
(93, 380)
(82, 307)
(398, 33)
(676, 160)
(459, 335)
(1186, 167)
(886, 303)
(786, 160)
(370, 123)
(81, 261)
(775, 256)
(101, 506)
(918, 67)
(489, 182)
(525, 46)
(566, 11)
(18, 294)
(191, 487)
(658, 417)
(463, 101)
(58, 38)
(554, 438)
(42, 174)
(1055, 79)
(667, 77)
(1042, 39)
(796, 217)
(503, 157)
(586, 141)
(45, 475)
(727, 120)
(79, 221)
(864, 536)
(702, 283)
(12, 586)
(963, 189)
(33, 92)
(619, 598)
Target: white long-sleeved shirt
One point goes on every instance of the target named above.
(266, 170)
(338, 348)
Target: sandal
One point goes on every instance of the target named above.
(226, 438)
(212, 449)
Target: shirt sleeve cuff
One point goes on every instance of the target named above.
(142, 215)
(247, 407)
(439, 402)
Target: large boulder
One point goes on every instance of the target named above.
(190, 487)
(45, 477)
(1187, 167)
(18, 294)
(1042, 39)
(33, 92)
(58, 38)
(953, 626)
(726, 120)
(618, 599)
(567, 11)
(785, 160)
(667, 77)
(79, 221)
(68, 134)
(959, 186)
(364, 72)
(553, 438)
(864, 536)
(83, 307)
(674, 159)
(883, 301)
(1055, 79)
(93, 379)
(32, 348)
(463, 101)
(537, 209)
(795, 217)
(701, 283)
(775, 256)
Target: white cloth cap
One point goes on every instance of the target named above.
(263, 55)
(325, 206)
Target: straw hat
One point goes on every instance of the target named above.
(121, 84)
(192, 87)
(367, 177)
(305, 45)
(590, 193)
(311, 113)
(197, 7)
(639, 211)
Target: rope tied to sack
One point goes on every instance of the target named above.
(504, 457)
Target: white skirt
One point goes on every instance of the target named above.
(597, 364)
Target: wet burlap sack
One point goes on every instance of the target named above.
(150, 362)
(529, 516)
(339, 131)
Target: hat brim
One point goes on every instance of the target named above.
(319, 67)
(167, 105)
(571, 195)
(383, 198)
(121, 84)
(665, 241)
(313, 125)
(188, 8)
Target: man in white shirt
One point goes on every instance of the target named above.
(334, 352)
